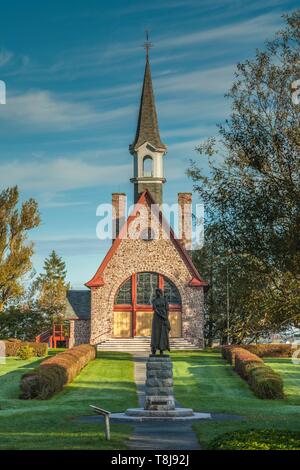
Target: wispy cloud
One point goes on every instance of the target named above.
(5, 57)
(45, 110)
(12, 63)
(263, 25)
(60, 174)
(107, 57)
(213, 80)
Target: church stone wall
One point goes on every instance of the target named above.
(137, 255)
(80, 331)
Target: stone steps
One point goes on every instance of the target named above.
(142, 344)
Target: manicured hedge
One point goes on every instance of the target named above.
(12, 347)
(262, 379)
(269, 350)
(245, 361)
(228, 353)
(261, 350)
(55, 372)
(262, 439)
(266, 383)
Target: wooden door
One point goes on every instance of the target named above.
(143, 323)
(175, 322)
(122, 324)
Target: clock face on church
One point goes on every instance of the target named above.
(133, 305)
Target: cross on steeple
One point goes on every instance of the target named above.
(147, 44)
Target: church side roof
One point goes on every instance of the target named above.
(146, 198)
(78, 305)
(147, 127)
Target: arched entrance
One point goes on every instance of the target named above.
(133, 305)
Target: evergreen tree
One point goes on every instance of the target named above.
(52, 287)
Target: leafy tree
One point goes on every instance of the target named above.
(252, 193)
(15, 251)
(24, 324)
(52, 287)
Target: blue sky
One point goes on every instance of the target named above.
(73, 71)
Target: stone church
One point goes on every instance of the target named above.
(117, 304)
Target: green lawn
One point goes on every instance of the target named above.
(206, 383)
(53, 424)
(202, 381)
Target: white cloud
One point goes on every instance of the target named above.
(188, 111)
(253, 29)
(60, 174)
(5, 57)
(42, 109)
(197, 131)
(214, 80)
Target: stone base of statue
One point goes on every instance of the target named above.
(159, 395)
(159, 384)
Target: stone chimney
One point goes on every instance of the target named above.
(185, 220)
(118, 213)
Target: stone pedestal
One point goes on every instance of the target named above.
(159, 395)
(159, 384)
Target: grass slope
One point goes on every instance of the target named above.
(205, 382)
(52, 424)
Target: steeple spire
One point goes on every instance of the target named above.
(147, 127)
(147, 148)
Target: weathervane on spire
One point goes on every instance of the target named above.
(147, 44)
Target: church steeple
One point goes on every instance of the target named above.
(147, 148)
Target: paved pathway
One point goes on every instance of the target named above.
(158, 435)
(140, 375)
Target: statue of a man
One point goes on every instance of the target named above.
(160, 324)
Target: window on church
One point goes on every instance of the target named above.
(171, 292)
(146, 284)
(145, 287)
(124, 294)
(148, 166)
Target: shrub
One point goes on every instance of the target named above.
(225, 352)
(269, 350)
(25, 352)
(263, 439)
(266, 383)
(12, 347)
(229, 352)
(40, 349)
(263, 381)
(245, 361)
(55, 372)
(261, 350)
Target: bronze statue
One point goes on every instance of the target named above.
(160, 324)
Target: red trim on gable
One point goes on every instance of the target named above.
(196, 283)
(146, 198)
(95, 282)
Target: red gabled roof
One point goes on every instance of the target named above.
(146, 198)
